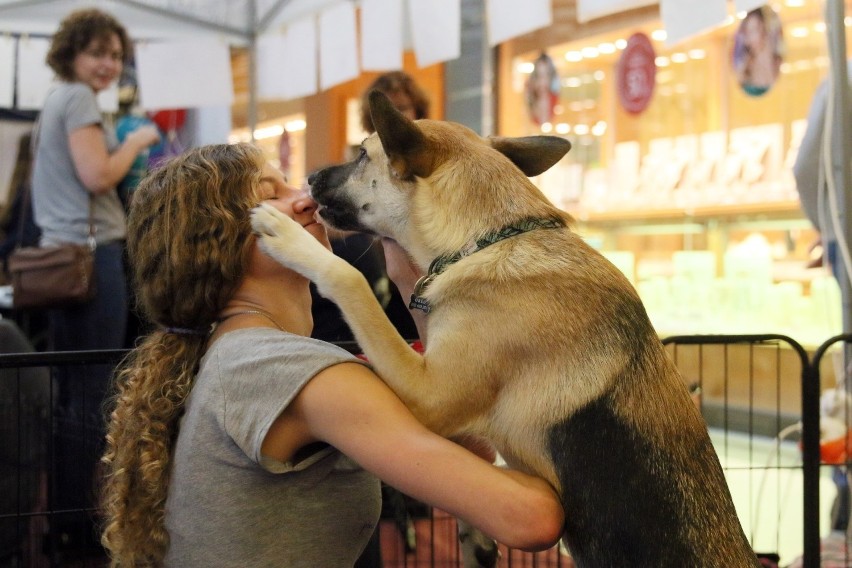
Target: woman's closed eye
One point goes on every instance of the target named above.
(268, 190)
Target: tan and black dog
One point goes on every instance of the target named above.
(535, 341)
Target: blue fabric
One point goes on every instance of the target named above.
(139, 168)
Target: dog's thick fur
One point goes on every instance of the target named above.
(535, 342)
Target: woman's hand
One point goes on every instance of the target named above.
(404, 274)
(401, 269)
(144, 136)
(816, 254)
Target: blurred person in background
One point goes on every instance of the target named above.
(361, 250)
(811, 184)
(365, 253)
(78, 164)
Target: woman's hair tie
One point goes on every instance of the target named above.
(185, 331)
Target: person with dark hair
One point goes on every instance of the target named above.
(17, 226)
(78, 164)
(405, 94)
(364, 253)
(235, 439)
(362, 250)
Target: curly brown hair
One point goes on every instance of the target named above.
(77, 32)
(189, 238)
(391, 83)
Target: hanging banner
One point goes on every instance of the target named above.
(436, 29)
(7, 71)
(685, 18)
(636, 73)
(184, 74)
(34, 76)
(338, 45)
(591, 9)
(509, 18)
(381, 35)
(300, 60)
(272, 83)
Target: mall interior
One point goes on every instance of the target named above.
(685, 182)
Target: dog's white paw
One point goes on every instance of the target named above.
(287, 241)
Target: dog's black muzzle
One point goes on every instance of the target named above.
(335, 207)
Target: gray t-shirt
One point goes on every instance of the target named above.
(228, 505)
(60, 200)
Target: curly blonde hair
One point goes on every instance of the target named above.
(189, 237)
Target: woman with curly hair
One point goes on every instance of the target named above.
(78, 164)
(237, 440)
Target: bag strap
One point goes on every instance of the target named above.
(28, 187)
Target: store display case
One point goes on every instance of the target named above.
(693, 195)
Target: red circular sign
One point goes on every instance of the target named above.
(636, 73)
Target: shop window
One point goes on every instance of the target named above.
(704, 168)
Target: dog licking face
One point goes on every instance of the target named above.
(382, 192)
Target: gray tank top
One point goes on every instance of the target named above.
(228, 505)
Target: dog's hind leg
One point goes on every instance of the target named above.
(478, 551)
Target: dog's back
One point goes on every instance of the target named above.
(611, 416)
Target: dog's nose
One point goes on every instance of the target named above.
(312, 178)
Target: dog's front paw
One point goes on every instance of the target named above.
(269, 222)
(287, 241)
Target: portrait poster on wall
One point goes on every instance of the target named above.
(636, 73)
(542, 90)
(758, 51)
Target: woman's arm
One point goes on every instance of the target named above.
(99, 170)
(349, 407)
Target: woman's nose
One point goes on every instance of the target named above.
(304, 202)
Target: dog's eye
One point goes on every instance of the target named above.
(362, 154)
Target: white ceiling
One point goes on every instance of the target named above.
(151, 19)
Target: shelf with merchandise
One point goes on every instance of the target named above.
(693, 196)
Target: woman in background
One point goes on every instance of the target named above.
(78, 163)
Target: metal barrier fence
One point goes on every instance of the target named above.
(756, 391)
(834, 413)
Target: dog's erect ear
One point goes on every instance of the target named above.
(532, 154)
(402, 140)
